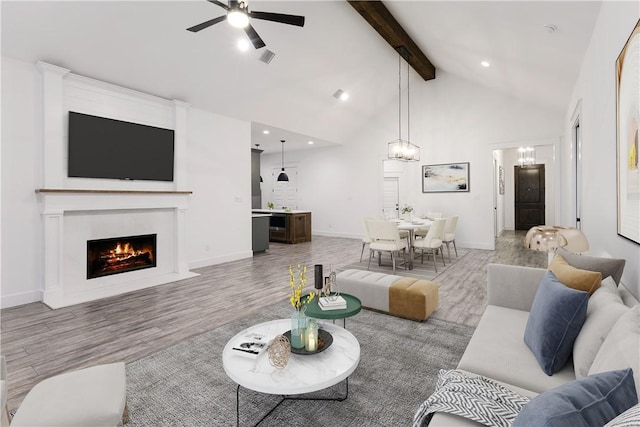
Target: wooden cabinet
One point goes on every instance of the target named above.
(299, 229)
(290, 228)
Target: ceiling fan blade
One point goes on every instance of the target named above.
(219, 3)
(206, 24)
(254, 37)
(279, 17)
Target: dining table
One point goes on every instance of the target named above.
(411, 226)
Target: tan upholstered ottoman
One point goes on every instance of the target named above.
(401, 296)
(412, 298)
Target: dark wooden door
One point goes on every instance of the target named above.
(529, 196)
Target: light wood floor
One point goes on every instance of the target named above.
(39, 342)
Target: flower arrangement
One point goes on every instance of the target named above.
(296, 289)
(406, 209)
(271, 205)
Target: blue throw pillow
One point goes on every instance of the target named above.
(556, 317)
(590, 401)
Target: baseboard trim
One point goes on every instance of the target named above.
(334, 234)
(20, 299)
(220, 259)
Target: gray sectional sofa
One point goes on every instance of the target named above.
(497, 349)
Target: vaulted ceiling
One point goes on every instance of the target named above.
(144, 45)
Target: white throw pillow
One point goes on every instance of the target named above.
(603, 311)
(621, 348)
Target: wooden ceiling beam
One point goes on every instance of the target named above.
(379, 17)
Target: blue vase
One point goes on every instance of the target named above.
(298, 328)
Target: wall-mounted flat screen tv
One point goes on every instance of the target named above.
(113, 149)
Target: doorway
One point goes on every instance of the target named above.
(529, 195)
(391, 197)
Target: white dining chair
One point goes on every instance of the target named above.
(385, 237)
(365, 236)
(421, 232)
(432, 241)
(450, 235)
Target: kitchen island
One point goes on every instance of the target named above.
(292, 226)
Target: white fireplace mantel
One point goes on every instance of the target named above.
(75, 210)
(56, 203)
(56, 200)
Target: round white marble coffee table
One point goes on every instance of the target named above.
(303, 373)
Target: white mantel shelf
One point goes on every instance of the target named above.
(80, 191)
(59, 200)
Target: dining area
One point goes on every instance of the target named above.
(408, 239)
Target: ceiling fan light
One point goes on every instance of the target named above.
(237, 19)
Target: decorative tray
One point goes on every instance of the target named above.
(324, 341)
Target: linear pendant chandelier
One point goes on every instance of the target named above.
(401, 149)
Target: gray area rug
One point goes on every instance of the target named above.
(421, 270)
(185, 385)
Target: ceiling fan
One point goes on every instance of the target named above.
(238, 15)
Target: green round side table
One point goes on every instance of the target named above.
(353, 307)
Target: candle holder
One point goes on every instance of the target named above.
(312, 336)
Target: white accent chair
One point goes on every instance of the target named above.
(432, 241)
(450, 235)
(385, 237)
(94, 396)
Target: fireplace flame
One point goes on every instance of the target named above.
(119, 255)
(123, 251)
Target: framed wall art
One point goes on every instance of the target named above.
(628, 121)
(501, 179)
(445, 178)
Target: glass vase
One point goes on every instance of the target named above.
(298, 328)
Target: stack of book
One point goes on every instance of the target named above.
(252, 345)
(335, 303)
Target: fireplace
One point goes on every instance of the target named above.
(120, 255)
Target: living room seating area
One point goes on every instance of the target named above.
(504, 346)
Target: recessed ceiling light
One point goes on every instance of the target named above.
(550, 28)
(266, 132)
(310, 142)
(485, 63)
(243, 45)
(341, 95)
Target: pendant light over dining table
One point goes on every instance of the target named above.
(283, 176)
(401, 149)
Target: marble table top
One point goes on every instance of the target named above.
(303, 373)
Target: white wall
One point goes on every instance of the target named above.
(219, 165)
(218, 223)
(452, 120)
(595, 88)
(21, 171)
